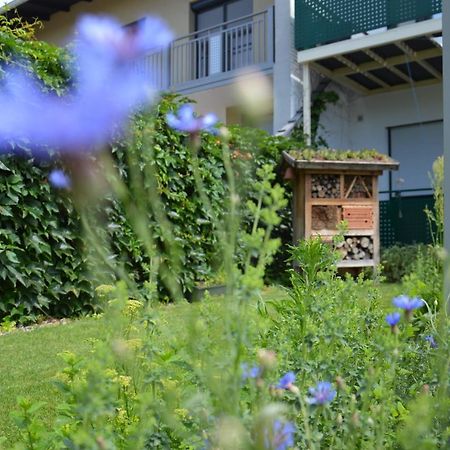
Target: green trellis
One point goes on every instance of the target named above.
(320, 22)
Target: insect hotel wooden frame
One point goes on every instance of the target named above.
(328, 192)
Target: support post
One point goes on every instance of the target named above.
(307, 103)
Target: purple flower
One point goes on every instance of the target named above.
(393, 319)
(281, 437)
(186, 121)
(108, 88)
(431, 341)
(109, 38)
(59, 179)
(252, 372)
(286, 381)
(406, 303)
(321, 394)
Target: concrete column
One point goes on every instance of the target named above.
(446, 88)
(286, 83)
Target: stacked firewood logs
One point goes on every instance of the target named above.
(325, 186)
(356, 248)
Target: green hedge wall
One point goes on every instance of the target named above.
(43, 253)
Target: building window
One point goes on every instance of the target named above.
(209, 13)
(222, 47)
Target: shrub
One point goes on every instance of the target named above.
(399, 260)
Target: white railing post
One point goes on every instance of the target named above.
(270, 35)
(165, 69)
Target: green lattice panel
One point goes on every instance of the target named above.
(320, 22)
(403, 221)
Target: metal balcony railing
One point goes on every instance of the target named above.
(320, 22)
(215, 54)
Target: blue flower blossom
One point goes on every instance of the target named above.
(322, 394)
(393, 319)
(406, 303)
(59, 179)
(430, 339)
(281, 437)
(286, 381)
(252, 372)
(186, 121)
(108, 88)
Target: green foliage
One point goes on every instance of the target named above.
(426, 278)
(320, 102)
(436, 216)
(42, 267)
(338, 155)
(167, 377)
(260, 148)
(20, 49)
(312, 260)
(399, 260)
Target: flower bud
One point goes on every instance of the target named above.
(339, 419)
(294, 389)
(355, 419)
(340, 383)
(267, 358)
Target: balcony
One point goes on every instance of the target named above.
(320, 22)
(372, 46)
(214, 56)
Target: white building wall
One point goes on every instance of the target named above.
(179, 17)
(357, 122)
(287, 79)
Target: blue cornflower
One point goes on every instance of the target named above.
(431, 341)
(393, 319)
(59, 179)
(90, 115)
(321, 394)
(406, 303)
(186, 121)
(286, 381)
(281, 437)
(252, 372)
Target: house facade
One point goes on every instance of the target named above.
(382, 57)
(384, 60)
(217, 43)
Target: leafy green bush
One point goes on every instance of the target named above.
(426, 278)
(399, 260)
(66, 289)
(262, 149)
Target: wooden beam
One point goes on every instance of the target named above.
(412, 54)
(353, 85)
(356, 69)
(393, 69)
(400, 87)
(388, 62)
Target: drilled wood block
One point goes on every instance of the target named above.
(358, 217)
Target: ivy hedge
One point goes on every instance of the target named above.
(43, 252)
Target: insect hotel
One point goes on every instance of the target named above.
(326, 193)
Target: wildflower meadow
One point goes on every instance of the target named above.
(117, 202)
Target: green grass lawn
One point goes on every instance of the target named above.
(29, 360)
